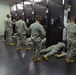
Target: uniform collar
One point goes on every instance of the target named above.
(37, 22)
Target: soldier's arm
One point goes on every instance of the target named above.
(43, 32)
(29, 30)
(16, 26)
(74, 29)
(25, 26)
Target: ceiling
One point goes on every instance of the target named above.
(10, 2)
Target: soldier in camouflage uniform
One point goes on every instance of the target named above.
(21, 29)
(71, 41)
(52, 50)
(8, 29)
(37, 34)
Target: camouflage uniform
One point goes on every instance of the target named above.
(37, 34)
(21, 32)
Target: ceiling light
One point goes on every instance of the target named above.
(63, 2)
(28, 3)
(47, 1)
(19, 5)
(36, 0)
(13, 8)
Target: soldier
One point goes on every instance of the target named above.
(21, 29)
(8, 29)
(71, 42)
(52, 50)
(37, 34)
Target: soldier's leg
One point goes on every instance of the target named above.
(34, 51)
(47, 49)
(4, 35)
(43, 42)
(28, 41)
(52, 52)
(37, 46)
(23, 37)
(70, 53)
(7, 39)
(11, 41)
(19, 43)
(63, 54)
(26, 44)
(10, 38)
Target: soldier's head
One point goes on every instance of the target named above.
(72, 19)
(13, 20)
(37, 18)
(20, 17)
(8, 16)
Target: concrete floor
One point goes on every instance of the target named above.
(14, 62)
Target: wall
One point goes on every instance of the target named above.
(65, 23)
(73, 8)
(4, 9)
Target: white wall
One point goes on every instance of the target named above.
(4, 9)
(65, 16)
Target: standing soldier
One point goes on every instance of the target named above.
(37, 34)
(21, 32)
(8, 29)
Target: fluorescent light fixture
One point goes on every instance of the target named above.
(23, 13)
(63, 1)
(20, 6)
(47, 1)
(37, 0)
(13, 8)
(16, 14)
(27, 3)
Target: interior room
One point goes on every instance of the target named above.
(37, 37)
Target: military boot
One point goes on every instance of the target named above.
(11, 44)
(27, 49)
(45, 57)
(69, 60)
(19, 48)
(36, 59)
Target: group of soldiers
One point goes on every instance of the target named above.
(71, 41)
(70, 44)
(38, 37)
(36, 32)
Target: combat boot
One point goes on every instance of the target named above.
(8, 43)
(19, 48)
(27, 49)
(45, 57)
(36, 59)
(69, 60)
(11, 44)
